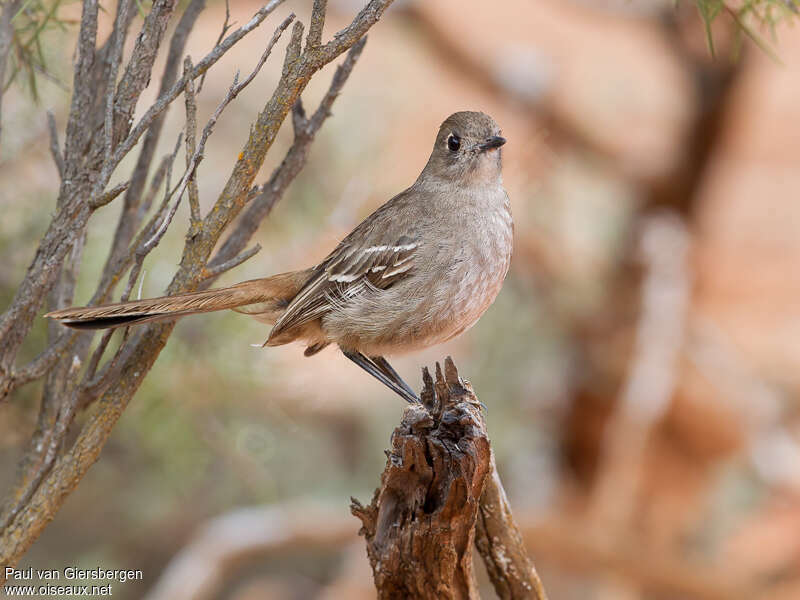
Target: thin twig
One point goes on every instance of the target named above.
(76, 133)
(93, 388)
(42, 363)
(216, 271)
(138, 248)
(116, 271)
(265, 55)
(233, 91)
(144, 249)
(55, 151)
(209, 60)
(111, 82)
(314, 38)
(226, 24)
(120, 108)
(109, 195)
(270, 192)
(137, 254)
(158, 179)
(191, 143)
(344, 39)
(94, 361)
(134, 206)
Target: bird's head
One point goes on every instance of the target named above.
(467, 150)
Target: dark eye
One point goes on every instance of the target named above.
(453, 142)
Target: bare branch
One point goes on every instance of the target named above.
(95, 386)
(138, 250)
(317, 24)
(55, 151)
(110, 195)
(94, 361)
(133, 81)
(267, 51)
(191, 143)
(337, 84)
(233, 91)
(344, 39)
(226, 25)
(111, 85)
(133, 210)
(272, 191)
(216, 271)
(148, 244)
(39, 365)
(212, 57)
(82, 88)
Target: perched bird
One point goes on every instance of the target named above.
(418, 271)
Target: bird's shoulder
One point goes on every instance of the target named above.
(376, 254)
(387, 237)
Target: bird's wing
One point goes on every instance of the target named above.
(348, 271)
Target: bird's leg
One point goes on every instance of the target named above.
(401, 389)
(384, 366)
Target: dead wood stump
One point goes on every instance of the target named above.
(421, 524)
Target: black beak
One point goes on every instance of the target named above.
(491, 143)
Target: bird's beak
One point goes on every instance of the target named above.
(491, 143)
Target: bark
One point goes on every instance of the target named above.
(421, 524)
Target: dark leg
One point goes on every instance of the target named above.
(384, 366)
(404, 391)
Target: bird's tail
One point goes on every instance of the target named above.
(273, 293)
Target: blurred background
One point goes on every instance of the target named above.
(641, 366)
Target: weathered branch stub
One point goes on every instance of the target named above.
(421, 524)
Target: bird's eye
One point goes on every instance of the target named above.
(453, 142)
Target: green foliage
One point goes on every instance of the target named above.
(749, 16)
(27, 56)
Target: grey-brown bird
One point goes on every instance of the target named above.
(418, 271)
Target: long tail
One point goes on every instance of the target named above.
(274, 292)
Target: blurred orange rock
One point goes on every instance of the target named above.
(748, 250)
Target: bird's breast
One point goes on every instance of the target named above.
(480, 267)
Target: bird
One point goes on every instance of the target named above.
(417, 272)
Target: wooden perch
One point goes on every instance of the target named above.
(438, 484)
